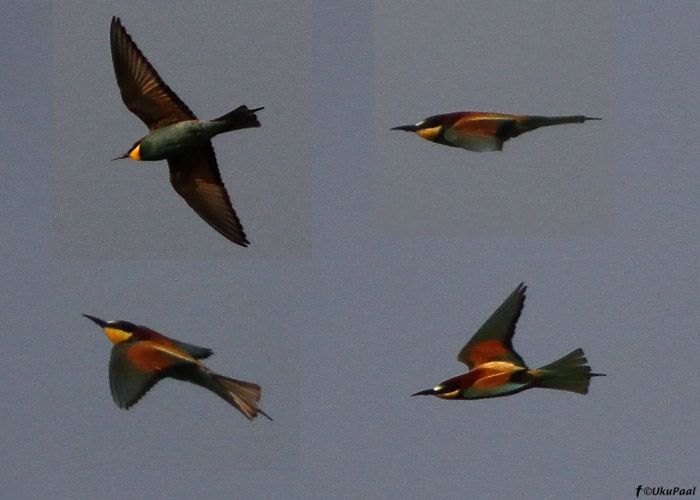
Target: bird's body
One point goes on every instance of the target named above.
(176, 135)
(480, 132)
(497, 370)
(142, 356)
(173, 140)
(183, 137)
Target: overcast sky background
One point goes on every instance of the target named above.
(339, 341)
(511, 57)
(214, 59)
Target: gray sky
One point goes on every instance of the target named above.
(545, 58)
(215, 59)
(338, 341)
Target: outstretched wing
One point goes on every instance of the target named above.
(479, 131)
(493, 341)
(135, 367)
(143, 91)
(195, 176)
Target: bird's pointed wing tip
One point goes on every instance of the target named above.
(116, 23)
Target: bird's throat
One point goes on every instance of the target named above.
(116, 335)
(135, 153)
(429, 134)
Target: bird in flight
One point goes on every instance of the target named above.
(176, 135)
(481, 132)
(141, 357)
(495, 369)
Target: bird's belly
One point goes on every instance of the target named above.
(478, 143)
(173, 140)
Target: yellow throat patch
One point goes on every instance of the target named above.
(429, 134)
(135, 153)
(116, 335)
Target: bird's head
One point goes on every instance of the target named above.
(429, 129)
(116, 331)
(134, 152)
(449, 389)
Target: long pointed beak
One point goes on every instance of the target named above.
(406, 128)
(98, 321)
(121, 157)
(427, 392)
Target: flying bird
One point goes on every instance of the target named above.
(495, 369)
(481, 132)
(141, 357)
(176, 135)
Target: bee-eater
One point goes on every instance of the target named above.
(477, 131)
(176, 135)
(141, 357)
(495, 369)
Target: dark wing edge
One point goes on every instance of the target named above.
(196, 178)
(127, 383)
(498, 328)
(156, 105)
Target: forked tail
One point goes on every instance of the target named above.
(243, 395)
(240, 118)
(569, 373)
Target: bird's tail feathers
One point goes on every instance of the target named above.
(241, 394)
(240, 118)
(569, 373)
(533, 122)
